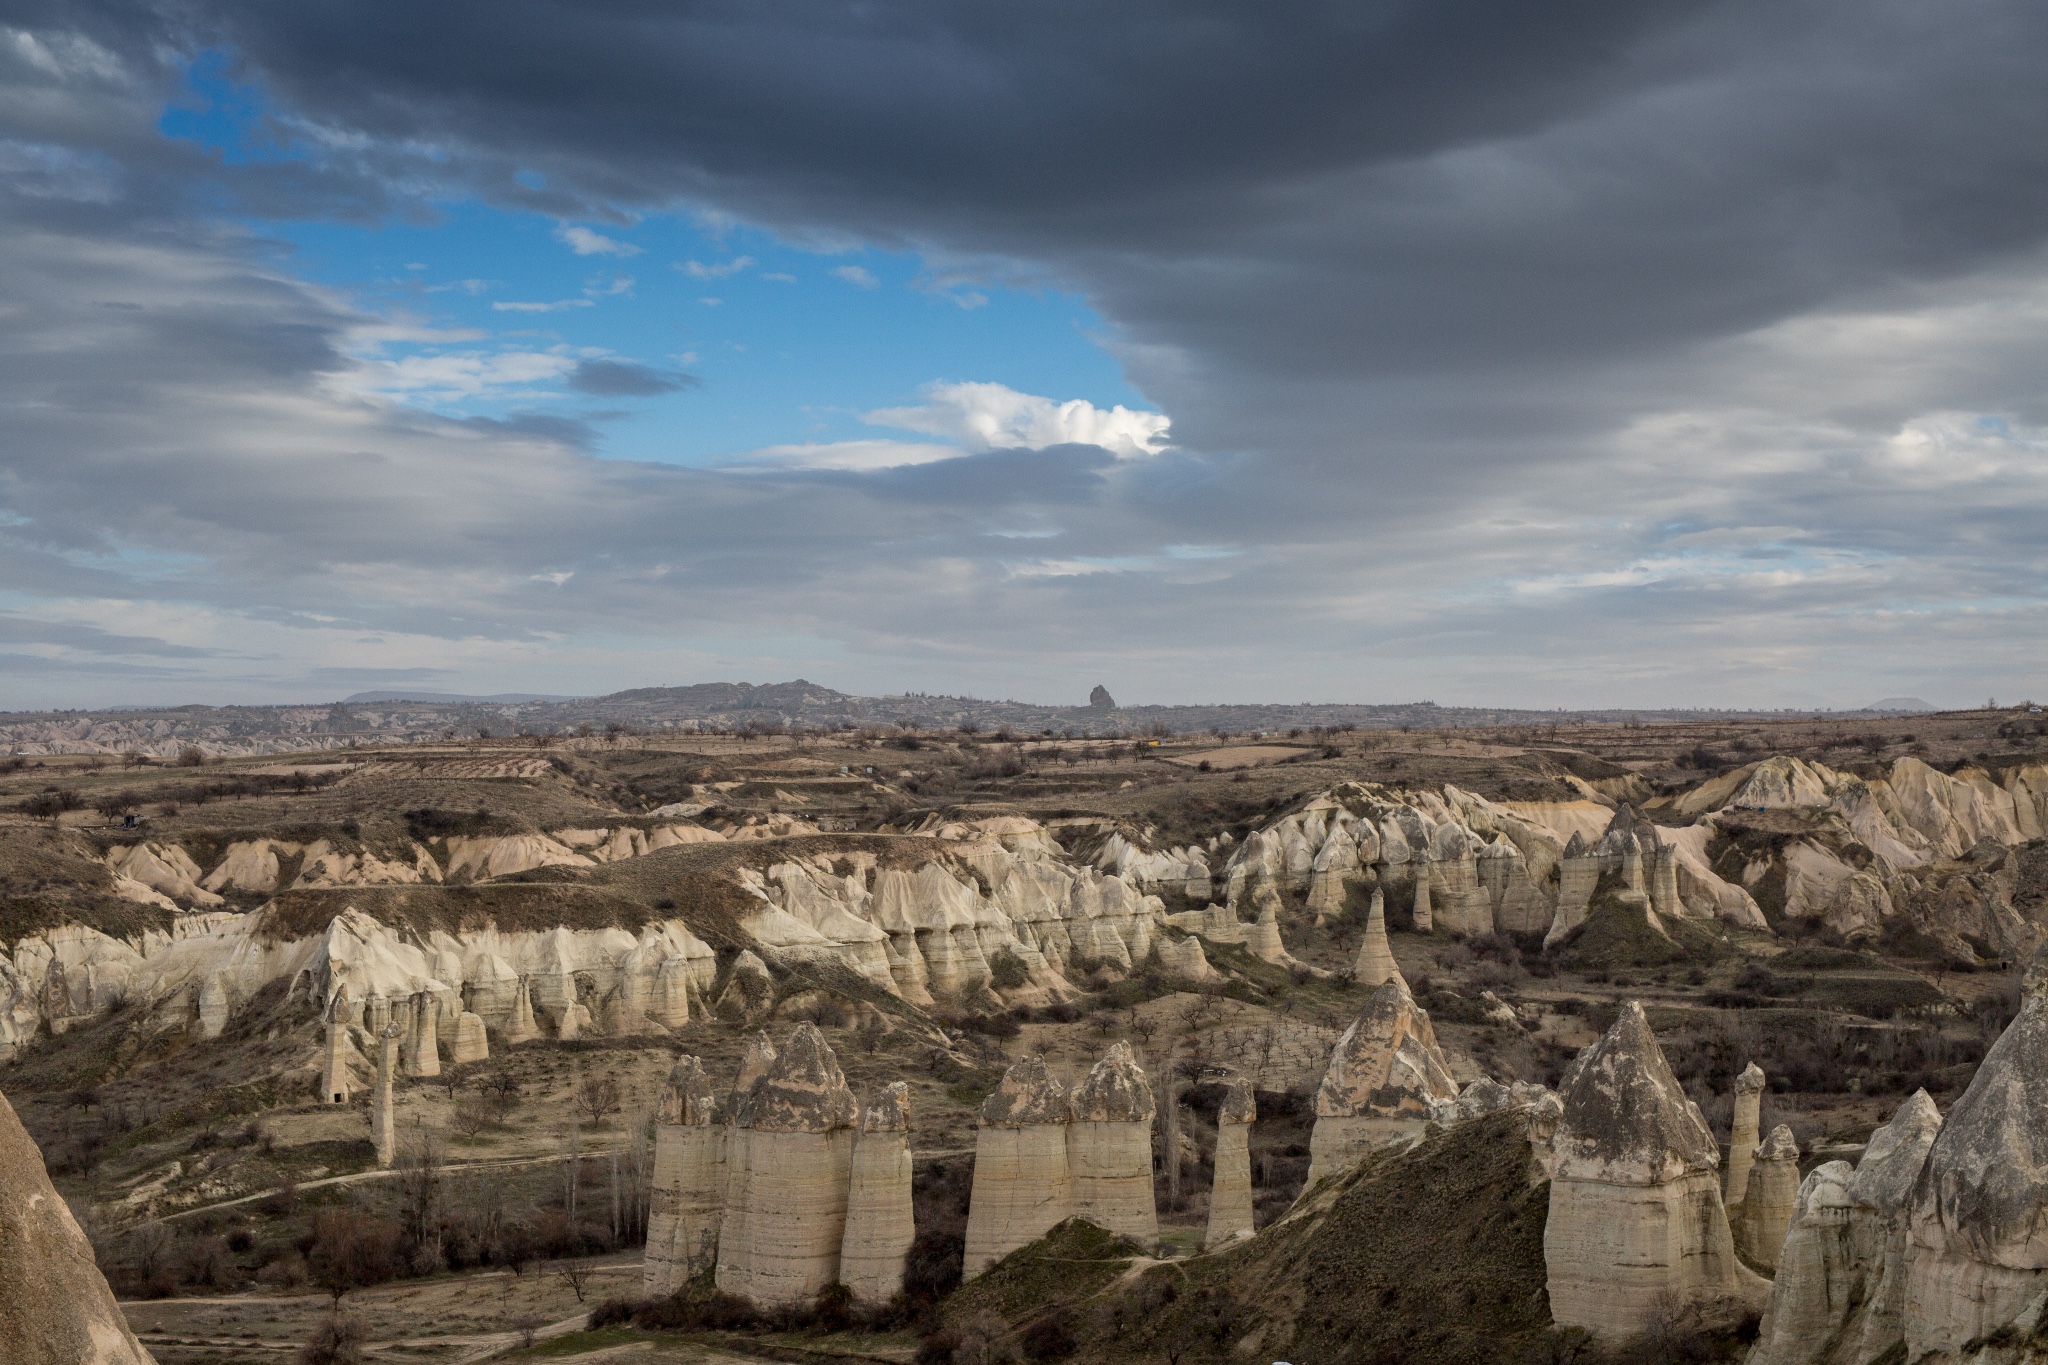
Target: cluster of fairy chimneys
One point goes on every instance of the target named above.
(789, 1185)
(1932, 1248)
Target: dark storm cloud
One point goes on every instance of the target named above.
(1583, 352)
(623, 379)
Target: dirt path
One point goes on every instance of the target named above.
(354, 1177)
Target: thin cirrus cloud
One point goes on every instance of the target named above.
(860, 277)
(1628, 353)
(720, 270)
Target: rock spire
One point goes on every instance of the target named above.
(1109, 1147)
(1022, 1182)
(1230, 1195)
(879, 1226)
(688, 1195)
(1635, 1210)
(1375, 965)
(1384, 1074)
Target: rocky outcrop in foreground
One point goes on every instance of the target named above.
(1636, 1219)
(55, 1307)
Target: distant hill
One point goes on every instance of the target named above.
(392, 716)
(455, 697)
(1902, 706)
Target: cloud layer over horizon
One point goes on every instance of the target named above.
(1613, 352)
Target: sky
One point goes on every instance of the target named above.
(1604, 353)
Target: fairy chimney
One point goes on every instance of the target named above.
(688, 1194)
(1109, 1147)
(1384, 1074)
(1635, 1218)
(1022, 1185)
(879, 1229)
(1230, 1194)
(799, 1121)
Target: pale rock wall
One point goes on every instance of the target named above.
(1109, 1147)
(470, 1043)
(1819, 1282)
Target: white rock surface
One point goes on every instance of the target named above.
(1230, 1192)
(1635, 1209)
(1022, 1184)
(1109, 1147)
(1385, 1073)
(879, 1228)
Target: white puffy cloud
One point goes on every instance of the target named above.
(584, 242)
(986, 416)
(858, 276)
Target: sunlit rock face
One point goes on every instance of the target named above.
(1022, 1181)
(55, 1307)
(799, 1120)
(1977, 1236)
(688, 1189)
(1230, 1193)
(879, 1227)
(1635, 1204)
(1109, 1147)
(1385, 1073)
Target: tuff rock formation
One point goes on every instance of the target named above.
(470, 1044)
(1635, 1210)
(335, 1082)
(799, 1121)
(1773, 1190)
(55, 1307)
(879, 1229)
(1839, 1295)
(688, 1191)
(1022, 1186)
(383, 1125)
(1978, 1231)
(1230, 1193)
(423, 1045)
(754, 1064)
(1819, 1281)
(1109, 1147)
(1743, 1135)
(1375, 965)
(1384, 1074)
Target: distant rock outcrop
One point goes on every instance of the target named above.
(1636, 1219)
(55, 1307)
(1385, 1072)
(1100, 699)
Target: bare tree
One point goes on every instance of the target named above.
(575, 1274)
(598, 1096)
